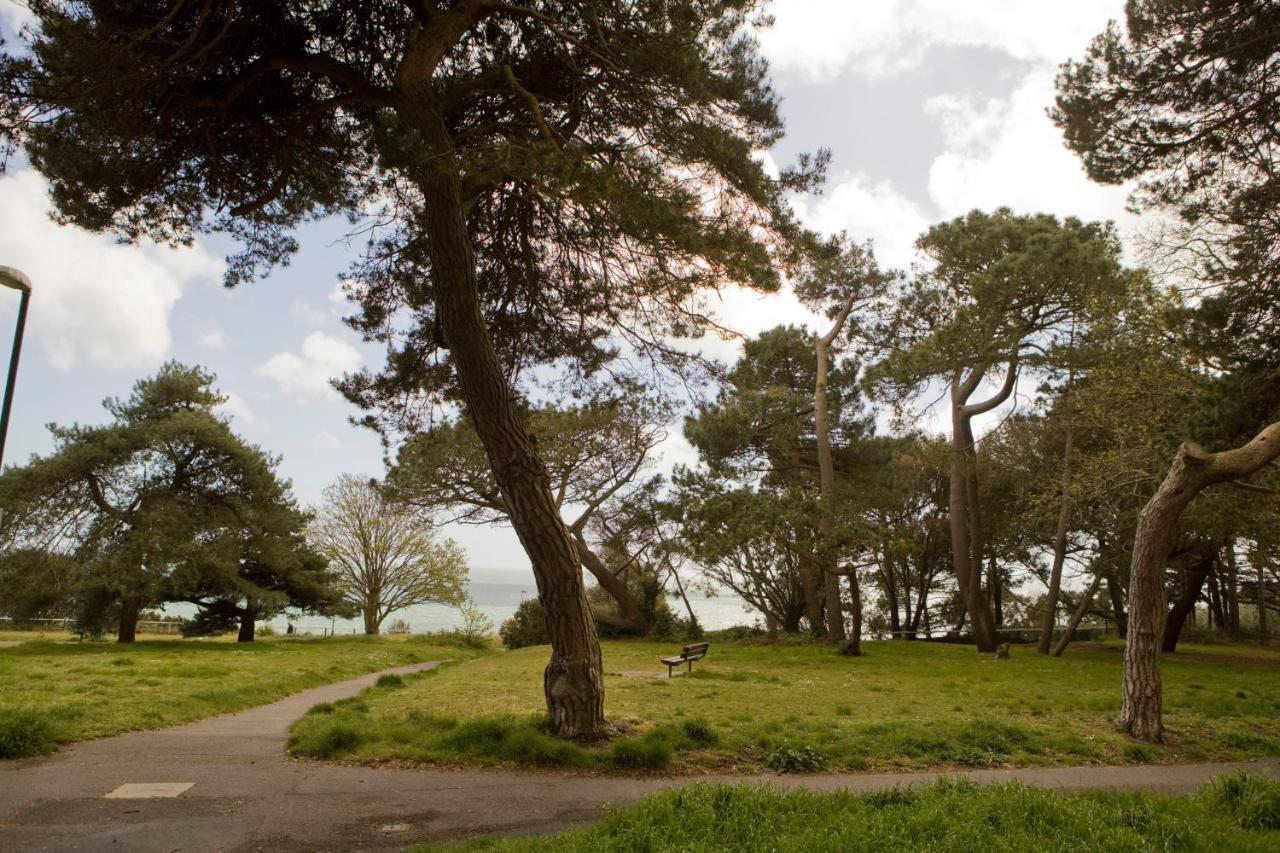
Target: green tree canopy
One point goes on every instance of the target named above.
(164, 503)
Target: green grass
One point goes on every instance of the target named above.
(1233, 814)
(55, 692)
(751, 707)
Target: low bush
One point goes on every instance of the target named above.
(651, 752)
(390, 681)
(1253, 800)
(526, 627)
(795, 759)
(23, 733)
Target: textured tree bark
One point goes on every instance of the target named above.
(854, 644)
(130, 607)
(1192, 471)
(1059, 548)
(1186, 602)
(372, 624)
(1081, 609)
(827, 479)
(962, 544)
(573, 680)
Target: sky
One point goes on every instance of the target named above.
(931, 108)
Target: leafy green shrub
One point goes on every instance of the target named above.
(264, 631)
(390, 681)
(700, 732)
(1253, 800)
(321, 708)
(526, 627)
(1139, 753)
(795, 759)
(23, 733)
(644, 753)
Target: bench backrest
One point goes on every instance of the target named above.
(697, 650)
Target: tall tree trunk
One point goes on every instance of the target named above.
(1059, 546)
(1081, 609)
(130, 607)
(1192, 471)
(372, 624)
(248, 625)
(962, 528)
(1262, 604)
(995, 591)
(827, 480)
(1193, 582)
(853, 646)
(573, 680)
(1115, 591)
(1233, 590)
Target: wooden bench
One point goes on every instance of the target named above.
(688, 655)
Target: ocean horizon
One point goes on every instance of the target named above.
(498, 600)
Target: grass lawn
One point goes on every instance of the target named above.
(1240, 813)
(55, 691)
(750, 707)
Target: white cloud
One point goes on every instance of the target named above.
(324, 357)
(93, 298)
(236, 407)
(1007, 152)
(868, 210)
(213, 339)
(325, 440)
(13, 15)
(309, 314)
(823, 38)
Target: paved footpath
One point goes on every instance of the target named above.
(246, 794)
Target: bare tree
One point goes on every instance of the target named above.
(386, 558)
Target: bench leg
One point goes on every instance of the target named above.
(691, 667)
(668, 670)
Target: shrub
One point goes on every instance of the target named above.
(700, 732)
(389, 681)
(645, 753)
(795, 759)
(322, 708)
(1139, 753)
(526, 627)
(264, 631)
(1253, 800)
(23, 733)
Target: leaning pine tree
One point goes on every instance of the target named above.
(545, 182)
(1182, 100)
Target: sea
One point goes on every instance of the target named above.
(499, 600)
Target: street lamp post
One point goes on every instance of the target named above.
(15, 280)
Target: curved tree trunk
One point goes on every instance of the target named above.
(1192, 471)
(573, 680)
(1081, 609)
(633, 620)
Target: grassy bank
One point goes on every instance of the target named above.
(802, 707)
(55, 692)
(1238, 813)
